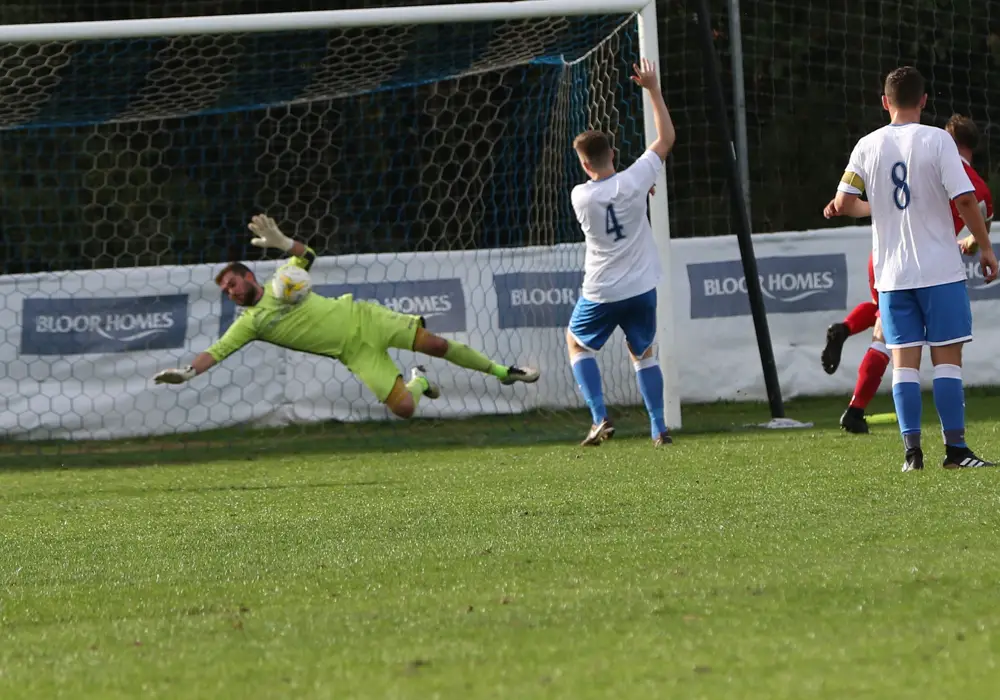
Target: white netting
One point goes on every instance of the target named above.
(433, 160)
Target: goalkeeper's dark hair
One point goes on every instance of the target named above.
(904, 87)
(237, 267)
(964, 131)
(595, 147)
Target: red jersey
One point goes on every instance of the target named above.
(983, 196)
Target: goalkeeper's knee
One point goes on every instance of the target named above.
(400, 400)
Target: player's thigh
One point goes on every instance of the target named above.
(902, 318)
(947, 313)
(592, 323)
(385, 328)
(877, 335)
(638, 321)
(376, 370)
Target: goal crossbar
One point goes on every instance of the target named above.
(319, 19)
(644, 12)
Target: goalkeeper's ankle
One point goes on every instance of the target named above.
(499, 371)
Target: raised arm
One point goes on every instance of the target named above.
(268, 235)
(645, 75)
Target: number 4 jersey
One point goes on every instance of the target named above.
(910, 172)
(622, 259)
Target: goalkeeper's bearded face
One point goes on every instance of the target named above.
(243, 289)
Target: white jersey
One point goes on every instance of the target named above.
(622, 259)
(911, 173)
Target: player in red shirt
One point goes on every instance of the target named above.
(865, 315)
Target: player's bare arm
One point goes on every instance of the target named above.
(645, 76)
(968, 209)
(847, 204)
(851, 206)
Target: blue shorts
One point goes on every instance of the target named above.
(938, 315)
(592, 323)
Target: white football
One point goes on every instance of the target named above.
(291, 284)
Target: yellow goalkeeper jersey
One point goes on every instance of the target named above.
(317, 325)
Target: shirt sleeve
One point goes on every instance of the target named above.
(238, 335)
(853, 179)
(953, 176)
(304, 261)
(579, 205)
(643, 173)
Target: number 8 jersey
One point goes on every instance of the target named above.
(622, 259)
(910, 172)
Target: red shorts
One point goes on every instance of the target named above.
(871, 279)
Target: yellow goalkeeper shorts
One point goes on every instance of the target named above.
(379, 329)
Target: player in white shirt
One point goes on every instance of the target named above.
(911, 173)
(622, 266)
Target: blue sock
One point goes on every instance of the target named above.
(650, 380)
(949, 399)
(906, 396)
(588, 378)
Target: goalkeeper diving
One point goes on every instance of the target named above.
(358, 333)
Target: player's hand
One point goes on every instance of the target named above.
(830, 210)
(267, 234)
(175, 376)
(652, 190)
(988, 263)
(968, 245)
(644, 74)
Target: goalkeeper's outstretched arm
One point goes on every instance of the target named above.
(239, 334)
(268, 235)
(179, 375)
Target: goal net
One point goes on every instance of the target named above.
(429, 165)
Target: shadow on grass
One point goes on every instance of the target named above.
(484, 432)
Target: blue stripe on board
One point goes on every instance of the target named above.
(98, 82)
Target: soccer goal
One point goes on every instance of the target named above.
(423, 152)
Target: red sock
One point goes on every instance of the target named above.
(861, 318)
(870, 374)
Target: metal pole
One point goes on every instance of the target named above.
(713, 81)
(739, 100)
(659, 219)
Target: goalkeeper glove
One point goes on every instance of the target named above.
(267, 234)
(175, 376)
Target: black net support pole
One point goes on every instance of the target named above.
(713, 81)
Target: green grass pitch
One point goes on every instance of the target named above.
(482, 559)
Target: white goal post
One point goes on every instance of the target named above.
(645, 19)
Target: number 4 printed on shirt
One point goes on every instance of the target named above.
(611, 224)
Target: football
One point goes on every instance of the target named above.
(291, 284)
